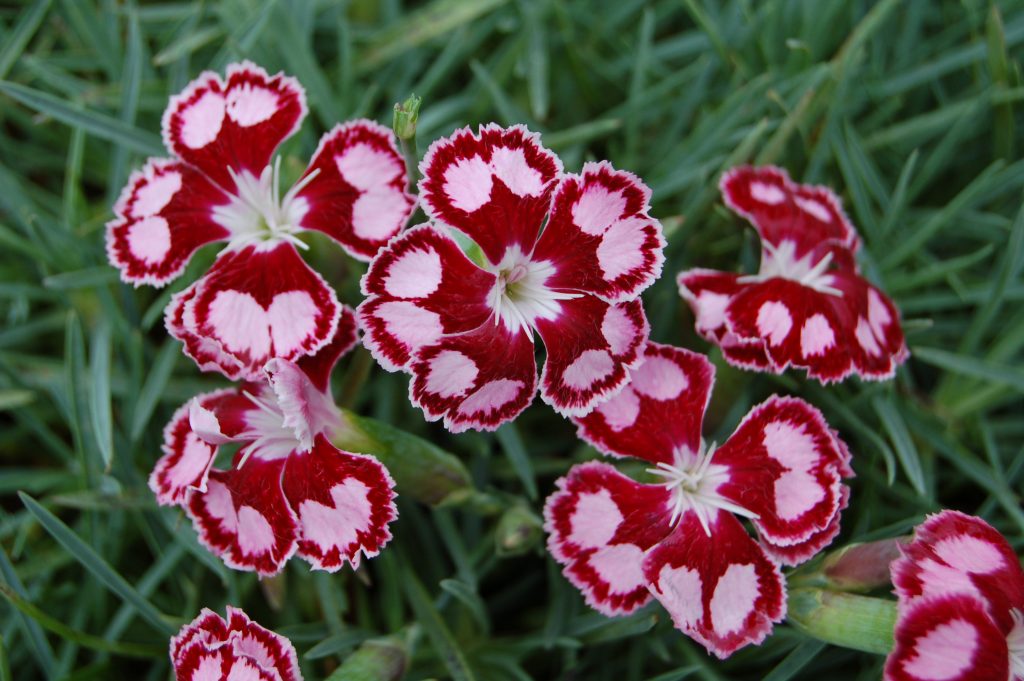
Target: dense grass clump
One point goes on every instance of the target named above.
(912, 111)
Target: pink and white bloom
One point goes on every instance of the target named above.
(288, 489)
(961, 604)
(808, 306)
(680, 538)
(260, 299)
(212, 649)
(561, 255)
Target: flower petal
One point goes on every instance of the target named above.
(798, 326)
(220, 127)
(319, 365)
(269, 650)
(658, 412)
(708, 292)
(722, 590)
(591, 345)
(344, 503)
(877, 344)
(782, 210)
(784, 465)
(207, 630)
(187, 458)
(358, 196)
(419, 288)
(949, 638)
(599, 237)
(257, 303)
(244, 517)
(954, 553)
(199, 663)
(801, 552)
(464, 380)
(495, 186)
(163, 216)
(599, 525)
(209, 355)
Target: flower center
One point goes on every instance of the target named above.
(781, 261)
(258, 213)
(270, 437)
(693, 480)
(1015, 644)
(520, 295)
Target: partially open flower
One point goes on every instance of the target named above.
(808, 306)
(259, 300)
(288, 488)
(211, 649)
(961, 604)
(564, 256)
(681, 539)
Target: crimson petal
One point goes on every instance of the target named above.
(358, 196)
(599, 237)
(722, 589)
(343, 502)
(220, 127)
(164, 214)
(599, 525)
(658, 412)
(494, 186)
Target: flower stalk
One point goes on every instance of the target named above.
(843, 619)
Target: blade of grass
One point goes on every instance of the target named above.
(512, 444)
(18, 39)
(437, 631)
(99, 402)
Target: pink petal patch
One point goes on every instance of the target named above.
(187, 458)
(209, 355)
(420, 288)
(781, 210)
(495, 186)
(358, 196)
(216, 125)
(287, 311)
(708, 292)
(210, 649)
(599, 525)
(462, 379)
(954, 553)
(801, 552)
(659, 411)
(591, 346)
(948, 638)
(877, 344)
(163, 216)
(784, 466)
(343, 502)
(722, 590)
(244, 517)
(599, 236)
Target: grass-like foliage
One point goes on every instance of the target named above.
(912, 111)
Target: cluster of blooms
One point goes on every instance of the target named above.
(808, 306)
(513, 246)
(961, 604)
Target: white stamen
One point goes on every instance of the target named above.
(781, 261)
(521, 296)
(693, 481)
(257, 213)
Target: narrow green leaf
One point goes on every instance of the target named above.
(466, 595)
(37, 643)
(536, 57)
(16, 41)
(992, 372)
(99, 402)
(794, 663)
(96, 123)
(186, 45)
(92, 562)
(902, 443)
(153, 388)
(5, 665)
(512, 444)
(440, 636)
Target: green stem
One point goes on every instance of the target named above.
(842, 619)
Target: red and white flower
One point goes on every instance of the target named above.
(212, 649)
(288, 489)
(961, 604)
(562, 255)
(680, 538)
(808, 306)
(260, 300)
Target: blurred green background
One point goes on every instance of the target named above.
(911, 110)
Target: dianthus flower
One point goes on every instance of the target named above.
(961, 604)
(681, 539)
(808, 306)
(210, 649)
(260, 299)
(288, 488)
(563, 255)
